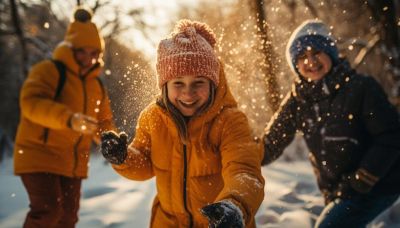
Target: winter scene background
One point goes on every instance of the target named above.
(252, 37)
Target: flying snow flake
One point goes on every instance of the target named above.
(385, 8)
(13, 195)
(350, 47)
(96, 110)
(350, 116)
(347, 79)
(133, 150)
(83, 127)
(46, 25)
(98, 102)
(20, 151)
(107, 72)
(323, 162)
(337, 86)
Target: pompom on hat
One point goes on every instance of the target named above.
(188, 51)
(82, 32)
(314, 34)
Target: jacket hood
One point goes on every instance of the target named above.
(63, 52)
(223, 97)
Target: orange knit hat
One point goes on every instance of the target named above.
(188, 51)
(82, 32)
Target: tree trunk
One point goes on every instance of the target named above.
(19, 32)
(272, 92)
(384, 13)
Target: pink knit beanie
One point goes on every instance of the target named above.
(188, 51)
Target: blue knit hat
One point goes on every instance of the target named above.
(313, 34)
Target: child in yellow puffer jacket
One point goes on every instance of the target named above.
(193, 139)
(60, 116)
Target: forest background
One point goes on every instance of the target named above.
(252, 37)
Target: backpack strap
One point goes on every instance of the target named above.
(61, 68)
(62, 76)
(102, 89)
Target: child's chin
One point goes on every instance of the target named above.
(187, 113)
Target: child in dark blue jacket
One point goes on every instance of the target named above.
(350, 128)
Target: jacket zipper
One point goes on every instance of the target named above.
(185, 168)
(81, 136)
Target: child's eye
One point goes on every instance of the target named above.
(301, 57)
(317, 52)
(178, 84)
(198, 84)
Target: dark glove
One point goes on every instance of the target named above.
(114, 146)
(223, 214)
(353, 184)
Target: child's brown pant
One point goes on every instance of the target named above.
(54, 200)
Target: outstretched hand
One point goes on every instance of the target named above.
(114, 146)
(223, 214)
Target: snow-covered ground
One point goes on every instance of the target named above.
(108, 200)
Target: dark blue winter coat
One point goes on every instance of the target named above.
(347, 123)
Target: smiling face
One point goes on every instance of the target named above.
(188, 93)
(313, 65)
(86, 57)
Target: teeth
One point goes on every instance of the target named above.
(187, 103)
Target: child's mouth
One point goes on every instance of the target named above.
(315, 69)
(188, 104)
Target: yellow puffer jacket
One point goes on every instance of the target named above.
(63, 151)
(220, 161)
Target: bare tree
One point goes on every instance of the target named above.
(385, 13)
(272, 93)
(19, 32)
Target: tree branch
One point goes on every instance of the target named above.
(365, 50)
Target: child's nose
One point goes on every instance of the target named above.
(189, 91)
(311, 60)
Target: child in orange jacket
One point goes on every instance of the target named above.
(193, 139)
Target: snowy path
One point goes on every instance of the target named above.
(108, 200)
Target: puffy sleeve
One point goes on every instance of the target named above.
(241, 169)
(37, 98)
(280, 130)
(138, 165)
(382, 122)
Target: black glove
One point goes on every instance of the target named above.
(351, 186)
(223, 214)
(114, 146)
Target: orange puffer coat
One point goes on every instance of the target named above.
(63, 151)
(220, 161)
